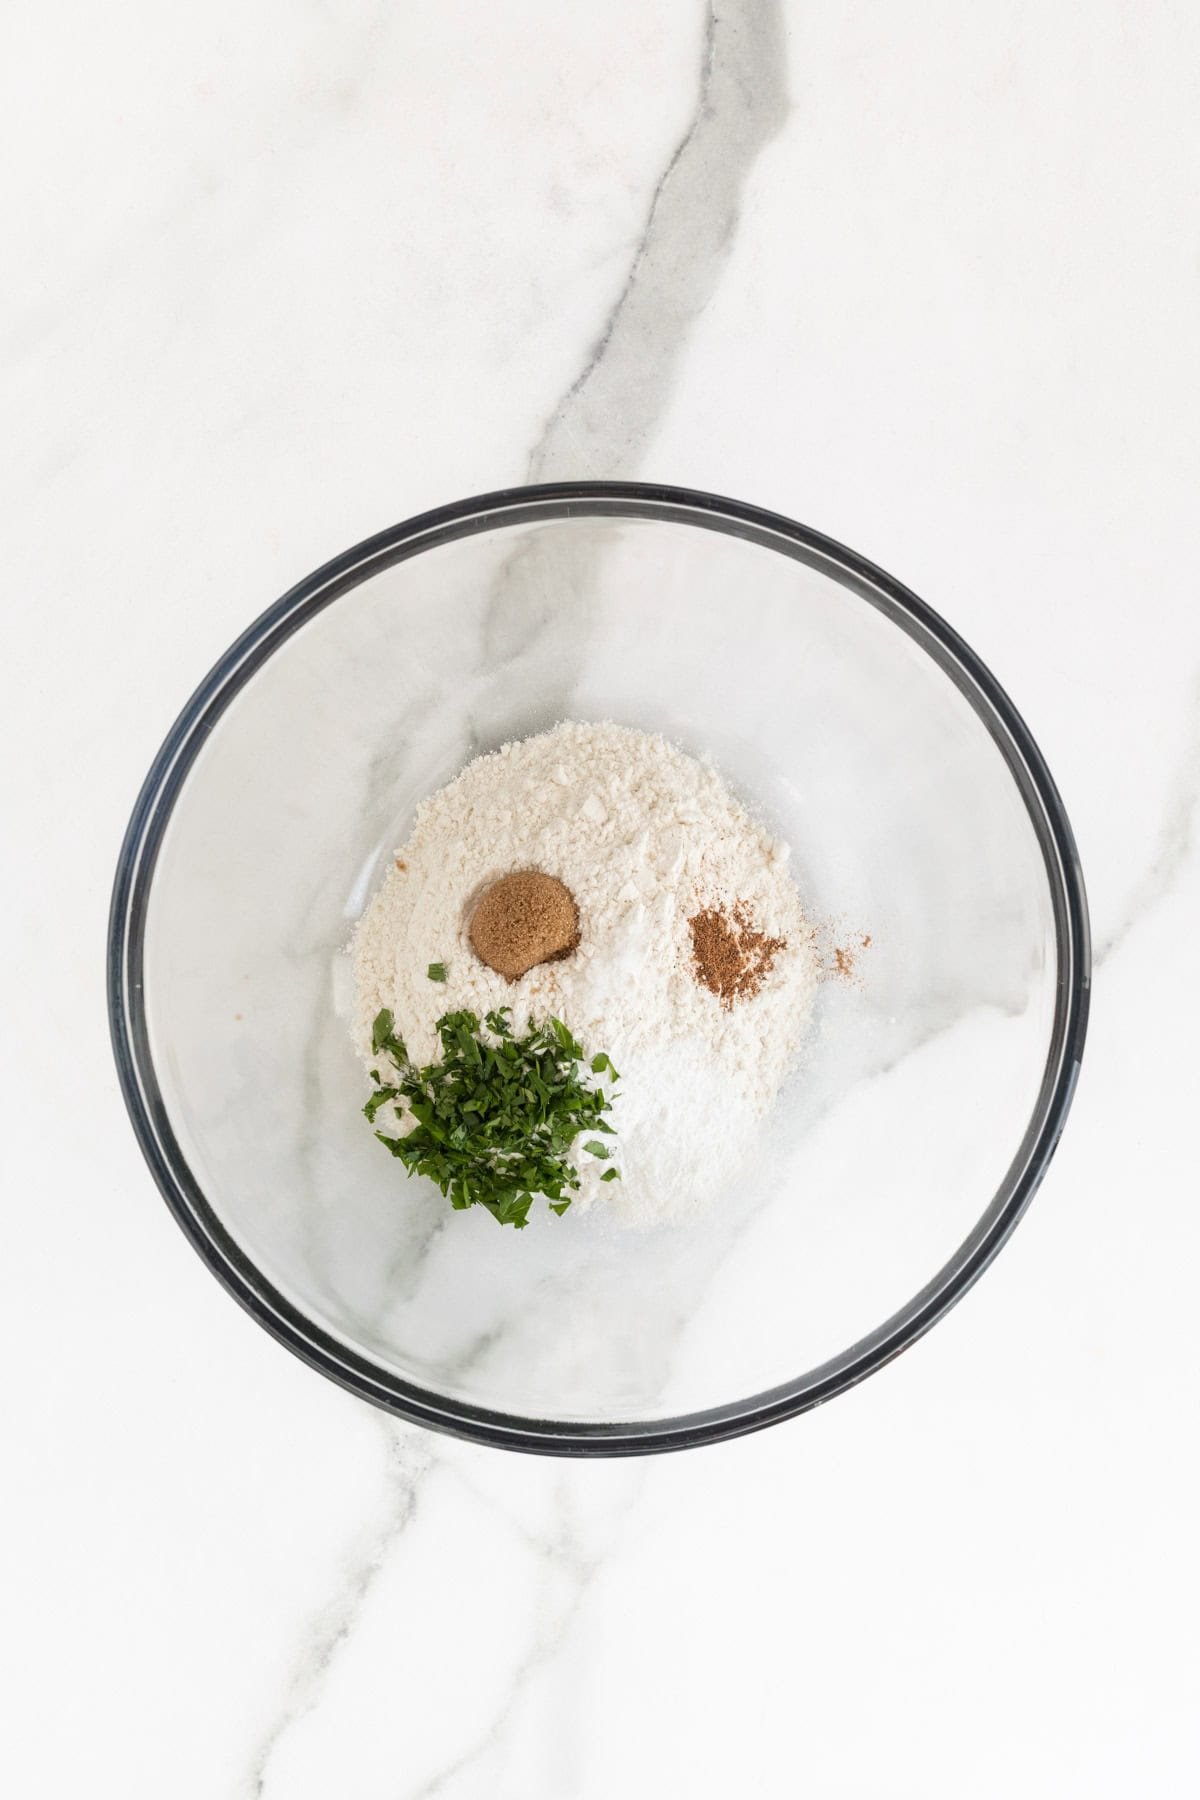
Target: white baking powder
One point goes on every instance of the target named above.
(644, 836)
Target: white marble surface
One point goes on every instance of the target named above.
(923, 277)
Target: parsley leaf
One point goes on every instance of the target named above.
(492, 1122)
(379, 1098)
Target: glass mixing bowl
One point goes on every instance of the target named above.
(848, 717)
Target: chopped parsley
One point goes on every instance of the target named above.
(436, 971)
(493, 1120)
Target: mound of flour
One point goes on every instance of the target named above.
(644, 836)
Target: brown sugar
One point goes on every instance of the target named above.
(523, 920)
(730, 956)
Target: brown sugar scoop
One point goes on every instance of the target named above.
(523, 920)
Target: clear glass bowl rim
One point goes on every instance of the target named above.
(134, 877)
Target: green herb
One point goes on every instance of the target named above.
(436, 971)
(379, 1098)
(491, 1123)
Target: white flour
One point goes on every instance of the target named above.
(644, 836)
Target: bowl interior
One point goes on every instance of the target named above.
(853, 734)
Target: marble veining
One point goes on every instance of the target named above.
(567, 1568)
(411, 1456)
(602, 424)
(282, 276)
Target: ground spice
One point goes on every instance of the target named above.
(523, 920)
(845, 957)
(730, 956)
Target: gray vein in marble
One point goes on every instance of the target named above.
(1172, 855)
(307, 1209)
(928, 1025)
(604, 421)
(410, 1459)
(561, 1554)
(1175, 846)
(607, 416)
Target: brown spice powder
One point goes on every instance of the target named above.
(845, 957)
(730, 956)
